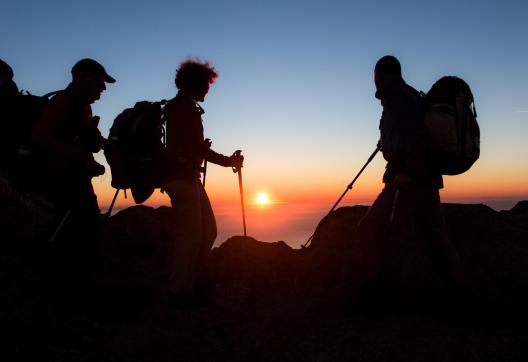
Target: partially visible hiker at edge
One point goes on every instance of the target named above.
(8, 87)
(66, 136)
(187, 149)
(8, 90)
(410, 201)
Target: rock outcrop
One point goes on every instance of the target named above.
(268, 301)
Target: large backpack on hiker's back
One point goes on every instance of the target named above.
(135, 149)
(18, 116)
(451, 122)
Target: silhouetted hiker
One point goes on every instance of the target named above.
(186, 150)
(8, 87)
(65, 138)
(409, 204)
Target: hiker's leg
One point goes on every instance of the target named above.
(76, 250)
(208, 238)
(401, 232)
(372, 233)
(445, 257)
(185, 199)
(208, 225)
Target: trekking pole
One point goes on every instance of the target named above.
(208, 142)
(60, 226)
(396, 195)
(109, 212)
(349, 187)
(204, 172)
(239, 171)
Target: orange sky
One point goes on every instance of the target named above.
(324, 185)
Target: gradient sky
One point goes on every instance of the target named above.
(296, 90)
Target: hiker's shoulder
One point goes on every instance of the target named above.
(401, 90)
(183, 100)
(182, 105)
(62, 100)
(402, 95)
(59, 103)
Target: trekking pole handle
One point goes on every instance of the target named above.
(236, 153)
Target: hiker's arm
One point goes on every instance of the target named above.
(45, 134)
(215, 157)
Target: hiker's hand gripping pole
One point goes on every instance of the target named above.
(349, 187)
(238, 170)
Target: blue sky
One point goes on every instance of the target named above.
(295, 90)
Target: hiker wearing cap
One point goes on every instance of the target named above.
(409, 205)
(187, 149)
(65, 137)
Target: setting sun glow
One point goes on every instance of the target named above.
(262, 198)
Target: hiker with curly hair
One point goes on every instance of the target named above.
(186, 150)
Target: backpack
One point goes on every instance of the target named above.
(450, 119)
(19, 115)
(135, 149)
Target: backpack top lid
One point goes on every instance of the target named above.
(446, 89)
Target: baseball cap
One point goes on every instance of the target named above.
(88, 65)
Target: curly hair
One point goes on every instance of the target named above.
(194, 73)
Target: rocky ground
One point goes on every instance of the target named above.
(267, 301)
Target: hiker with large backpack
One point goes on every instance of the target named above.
(64, 139)
(18, 113)
(406, 221)
(186, 150)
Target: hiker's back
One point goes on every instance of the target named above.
(401, 119)
(185, 124)
(9, 125)
(404, 137)
(185, 133)
(56, 135)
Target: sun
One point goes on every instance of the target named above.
(262, 199)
